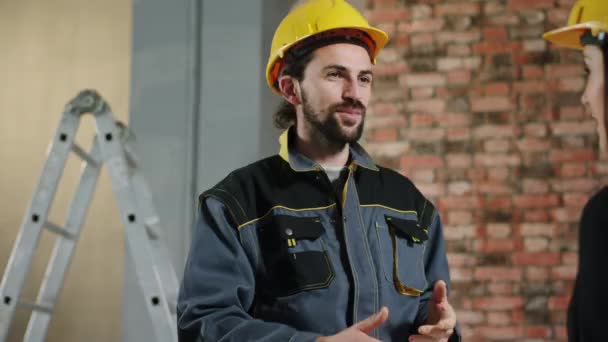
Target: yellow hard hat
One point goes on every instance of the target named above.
(586, 15)
(317, 18)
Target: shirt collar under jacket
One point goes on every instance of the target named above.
(301, 163)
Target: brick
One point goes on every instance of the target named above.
(558, 302)
(423, 80)
(536, 216)
(459, 217)
(461, 260)
(497, 246)
(498, 230)
(493, 131)
(572, 170)
(487, 333)
(388, 14)
(384, 134)
(495, 145)
(538, 258)
(459, 188)
(457, 9)
(527, 4)
(571, 185)
(493, 47)
(496, 89)
(536, 273)
(460, 275)
(498, 174)
(538, 229)
(573, 128)
(499, 318)
(535, 45)
(432, 190)
(394, 69)
(538, 130)
(384, 109)
(535, 201)
(427, 106)
(422, 25)
(565, 215)
(460, 202)
(571, 85)
(423, 176)
(502, 288)
(571, 113)
(493, 159)
(505, 19)
(495, 33)
(422, 161)
(422, 93)
(459, 77)
(493, 7)
(491, 104)
(530, 87)
(426, 134)
(498, 203)
(421, 39)
(576, 199)
(533, 145)
(569, 258)
(494, 188)
(469, 317)
(449, 63)
(498, 274)
(564, 272)
(538, 332)
(459, 232)
(454, 120)
(470, 36)
(458, 50)
(560, 71)
(458, 133)
(535, 186)
(498, 303)
(421, 11)
(532, 72)
(393, 122)
(459, 160)
(536, 244)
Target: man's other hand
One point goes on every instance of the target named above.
(441, 320)
(360, 331)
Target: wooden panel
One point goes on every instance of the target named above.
(50, 51)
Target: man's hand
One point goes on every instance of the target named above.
(359, 332)
(441, 320)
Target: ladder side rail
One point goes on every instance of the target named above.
(135, 231)
(61, 257)
(19, 263)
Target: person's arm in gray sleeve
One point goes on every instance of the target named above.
(436, 268)
(218, 287)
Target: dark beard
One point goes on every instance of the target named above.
(329, 132)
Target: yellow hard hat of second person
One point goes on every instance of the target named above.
(320, 19)
(586, 15)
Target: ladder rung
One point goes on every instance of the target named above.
(84, 155)
(59, 230)
(37, 307)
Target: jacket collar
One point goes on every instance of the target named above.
(300, 163)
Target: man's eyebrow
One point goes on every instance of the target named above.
(343, 69)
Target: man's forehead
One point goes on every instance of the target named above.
(350, 56)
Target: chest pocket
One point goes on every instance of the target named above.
(402, 245)
(294, 255)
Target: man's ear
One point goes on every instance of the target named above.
(290, 89)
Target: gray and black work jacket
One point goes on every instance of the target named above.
(279, 255)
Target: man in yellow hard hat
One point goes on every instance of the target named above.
(318, 243)
(587, 30)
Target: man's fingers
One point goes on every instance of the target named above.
(440, 292)
(422, 338)
(372, 322)
(443, 329)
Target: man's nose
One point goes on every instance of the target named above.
(351, 91)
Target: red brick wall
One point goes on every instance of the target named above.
(484, 116)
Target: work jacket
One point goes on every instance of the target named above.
(279, 255)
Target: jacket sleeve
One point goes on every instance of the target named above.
(436, 268)
(218, 287)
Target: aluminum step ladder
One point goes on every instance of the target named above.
(112, 146)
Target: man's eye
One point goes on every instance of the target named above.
(333, 74)
(365, 79)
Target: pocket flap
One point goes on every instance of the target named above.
(409, 228)
(299, 228)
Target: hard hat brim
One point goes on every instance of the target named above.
(569, 36)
